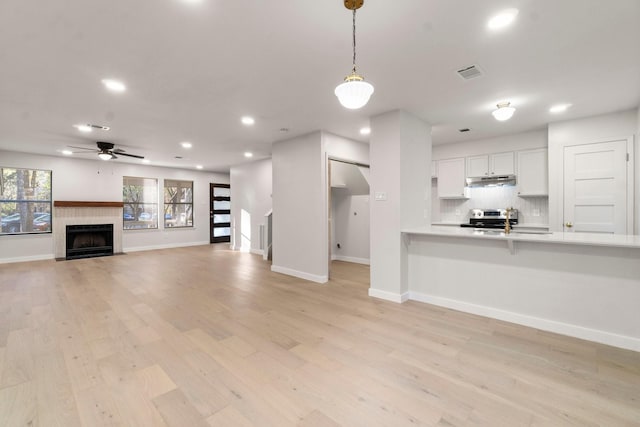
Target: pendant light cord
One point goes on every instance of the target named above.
(354, 41)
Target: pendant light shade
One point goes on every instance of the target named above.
(354, 92)
(504, 111)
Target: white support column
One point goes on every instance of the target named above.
(400, 150)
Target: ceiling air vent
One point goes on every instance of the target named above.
(469, 72)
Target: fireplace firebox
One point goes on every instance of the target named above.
(89, 240)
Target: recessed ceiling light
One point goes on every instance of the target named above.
(147, 161)
(365, 131)
(199, 167)
(560, 108)
(114, 85)
(246, 120)
(88, 127)
(186, 144)
(502, 19)
(83, 128)
(248, 154)
(67, 152)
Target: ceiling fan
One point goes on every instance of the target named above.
(106, 151)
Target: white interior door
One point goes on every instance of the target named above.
(595, 188)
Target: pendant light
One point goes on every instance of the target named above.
(504, 111)
(354, 92)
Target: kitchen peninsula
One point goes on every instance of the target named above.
(584, 285)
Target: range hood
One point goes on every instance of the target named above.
(491, 181)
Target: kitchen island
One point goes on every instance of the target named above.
(579, 284)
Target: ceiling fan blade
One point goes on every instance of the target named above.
(130, 155)
(118, 150)
(82, 148)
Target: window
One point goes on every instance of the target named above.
(25, 201)
(140, 197)
(178, 203)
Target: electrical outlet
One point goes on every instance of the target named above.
(458, 213)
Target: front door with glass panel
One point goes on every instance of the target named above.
(220, 213)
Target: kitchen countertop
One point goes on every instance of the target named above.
(523, 225)
(588, 239)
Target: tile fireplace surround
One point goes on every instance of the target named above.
(82, 212)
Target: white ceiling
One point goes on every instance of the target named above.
(194, 68)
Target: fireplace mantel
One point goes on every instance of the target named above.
(86, 204)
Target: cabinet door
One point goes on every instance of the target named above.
(502, 164)
(478, 166)
(533, 176)
(451, 178)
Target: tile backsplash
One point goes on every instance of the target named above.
(531, 210)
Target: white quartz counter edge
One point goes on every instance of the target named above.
(587, 239)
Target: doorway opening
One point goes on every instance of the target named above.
(348, 213)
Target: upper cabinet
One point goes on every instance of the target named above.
(491, 164)
(533, 176)
(451, 179)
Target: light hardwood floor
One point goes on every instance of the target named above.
(204, 336)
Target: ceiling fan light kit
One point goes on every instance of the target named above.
(354, 92)
(106, 151)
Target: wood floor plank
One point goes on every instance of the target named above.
(209, 336)
(18, 405)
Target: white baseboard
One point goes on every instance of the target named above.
(253, 251)
(364, 261)
(603, 337)
(389, 296)
(26, 258)
(165, 246)
(300, 274)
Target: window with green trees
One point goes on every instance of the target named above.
(25, 201)
(178, 203)
(140, 197)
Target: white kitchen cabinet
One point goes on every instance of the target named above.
(491, 164)
(451, 179)
(533, 175)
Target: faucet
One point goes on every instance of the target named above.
(507, 224)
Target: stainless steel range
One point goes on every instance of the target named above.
(490, 218)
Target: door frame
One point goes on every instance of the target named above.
(328, 198)
(212, 212)
(557, 224)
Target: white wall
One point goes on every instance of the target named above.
(515, 142)
(637, 171)
(299, 208)
(96, 180)
(350, 215)
(400, 150)
(581, 131)
(251, 187)
(340, 148)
